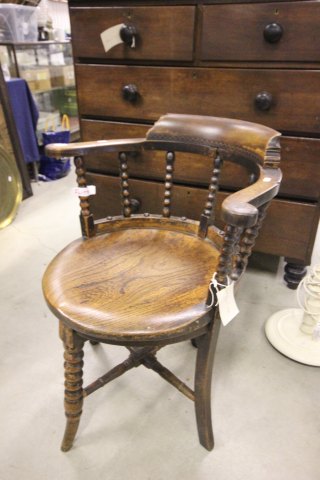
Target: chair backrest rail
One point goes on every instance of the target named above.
(86, 217)
(170, 157)
(250, 145)
(126, 206)
(82, 183)
(225, 266)
(207, 216)
(247, 242)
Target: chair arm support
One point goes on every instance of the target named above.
(58, 150)
(240, 208)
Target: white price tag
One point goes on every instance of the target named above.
(111, 37)
(227, 304)
(85, 191)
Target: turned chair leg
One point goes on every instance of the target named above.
(73, 394)
(204, 364)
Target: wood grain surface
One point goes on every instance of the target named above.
(137, 282)
(229, 93)
(162, 34)
(240, 38)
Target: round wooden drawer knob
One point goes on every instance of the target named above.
(263, 101)
(128, 34)
(130, 93)
(273, 32)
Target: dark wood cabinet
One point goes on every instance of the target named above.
(257, 61)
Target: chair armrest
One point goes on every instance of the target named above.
(58, 150)
(240, 208)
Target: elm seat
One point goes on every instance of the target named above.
(142, 280)
(117, 283)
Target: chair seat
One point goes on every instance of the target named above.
(147, 283)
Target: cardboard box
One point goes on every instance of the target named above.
(43, 79)
(62, 76)
(29, 75)
(37, 78)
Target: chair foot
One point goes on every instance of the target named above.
(207, 443)
(206, 348)
(69, 434)
(73, 394)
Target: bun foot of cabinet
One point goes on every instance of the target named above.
(294, 273)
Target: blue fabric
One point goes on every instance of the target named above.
(61, 136)
(52, 168)
(26, 116)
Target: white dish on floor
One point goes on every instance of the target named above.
(283, 332)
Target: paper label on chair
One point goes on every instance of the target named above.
(85, 191)
(227, 304)
(111, 37)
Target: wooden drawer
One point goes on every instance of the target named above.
(281, 234)
(300, 165)
(162, 33)
(232, 93)
(236, 32)
(300, 162)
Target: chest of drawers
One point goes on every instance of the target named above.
(257, 61)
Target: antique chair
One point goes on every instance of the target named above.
(142, 281)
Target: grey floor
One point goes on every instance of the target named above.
(265, 406)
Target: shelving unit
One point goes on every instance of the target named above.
(48, 69)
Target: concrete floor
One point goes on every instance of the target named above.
(265, 406)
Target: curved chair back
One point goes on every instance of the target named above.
(251, 145)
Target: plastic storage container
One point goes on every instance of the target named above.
(18, 23)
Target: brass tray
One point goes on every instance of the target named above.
(10, 189)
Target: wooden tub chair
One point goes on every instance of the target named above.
(142, 280)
